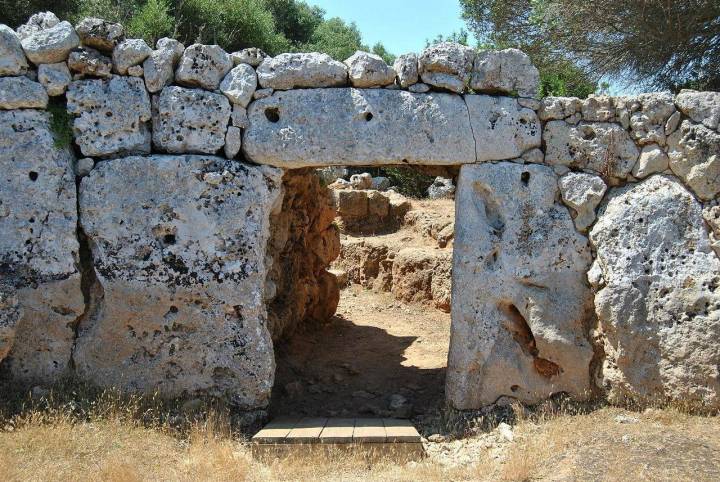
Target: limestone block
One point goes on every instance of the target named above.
(203, 66)
(369, 70)
(87, 61)
(190, 121)
(505, 71)
(12, 57)
(50, 45)
(110, 116)
(501, 128)
(657, 297)
(301, 70)
(701, 107)
(598, 108)
(40, 296)
(159, 67)
(648, 124)
(446, 65)
(406, 67)
(36, 23)
(652, 160)
(22, 93)
(318, 127)
(252, 56)
(520, 302)
(100, 34)
(694, 152)
(582, 192)
(239, 85)
(130, 53)
(54, 77)
(419, 88)
(183, 277)
(599, 146)
(233, 142)
(558, 108)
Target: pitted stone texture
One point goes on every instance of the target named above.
(239, 117)
(38, 247)
(652, 160)
(369, 70)
(694, 152)
(505, 71)
(319, 127)
(233, 142)
(252, 56)
(183, 277)
(446, 65)
(100, 34)
(419, 88)
(130, 53)
(582, 192)
(301, 70)
(22, 93)
(598, 108)
(521, 307)
(657, 296)
(406, 67)
(239, 85)
(54, 77)
(12, 57)
(36, 23)
(190, 121)
(557, 108)
(159, 67)
(701, 107)
(501, 128)
(111, 116)
(50, 45)
(711, 215)
(602, 147)
(648, 124)
(203, 66)
(86, 61)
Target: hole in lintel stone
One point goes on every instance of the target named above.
(33, 176)
(368, 116)
(272, 114)
(525, 178)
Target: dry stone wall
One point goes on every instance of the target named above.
(146, 252)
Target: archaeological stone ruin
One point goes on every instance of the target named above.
(161, 226)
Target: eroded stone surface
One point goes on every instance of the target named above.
(22, 93)
(701, 107)
(582, 192)
(320, 127)
(369, 70)
(111, 116)
(50, 45)
(239, 85)
(37, 22)
(652, 160)
(406, 67)
(521, 307)
(505, 71)
(87, 61)
(183, 277)
(190, 120)
(203, 66)
(301, 70)
(446, 65)
(159, 67)
(100, 34)
(657, 297)
(130, 53)
(54, 77)
(694, 152)
(12, 57)
(40, 296)
(557, 108)
(252, 56)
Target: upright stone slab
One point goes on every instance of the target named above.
(658, 296)
(319, 127)
(521, 306)
(179, 247)
(40, 296)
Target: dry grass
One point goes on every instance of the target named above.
(124, 440)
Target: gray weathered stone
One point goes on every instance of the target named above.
(673, 123)
(657, 297)
(252, 56)
(262, 93)
(38, 248)
(21, 93)
(305, 128)
(505, 71)
(239, 117)
(87, 61)
(183, 277)
(521, 306)
(50, 45)
(701, 107)
(558, 108)
(652, 160)
(406, 67)
(190, 121)
(203, 66)
(446, 65)
(602, 147)
(239, 85)
(648, 123)
(361, 181)
(36, 23)
(84, 166)
(100, 34)
(441, 187)
(12, 57)
(54, 77)
(130, 53)
(110, 116)
(301, 70)
(419, 88)
(598, 108)
(233, 142)
(369, 70)
(501, 128)
(159, 67)
(582, 192)
(694, 152)
(135, 71)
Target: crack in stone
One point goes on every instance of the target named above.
(472, 131)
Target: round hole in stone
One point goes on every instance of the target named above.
(169, 239)
(33, 176)
(525, 177)
(272, 114)
(514, 388)
(173, 309)
(368, 116)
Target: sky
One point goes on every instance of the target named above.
(401, 25)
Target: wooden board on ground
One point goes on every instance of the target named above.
(276, 431)
(399, 430)
(338, 430)
(307, 430)
(369, 430)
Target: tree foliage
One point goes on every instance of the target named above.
(659, 43)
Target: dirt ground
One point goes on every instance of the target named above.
(375, 347)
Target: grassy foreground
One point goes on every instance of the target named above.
(113, 439)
